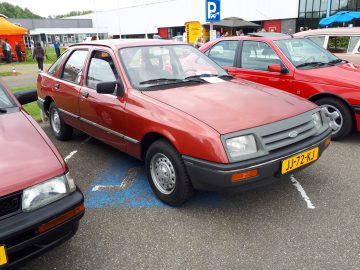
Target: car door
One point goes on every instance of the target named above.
(103, 114)
(255, 57)
(66, 88)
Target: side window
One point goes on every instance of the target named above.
(338, 44)
(54, 67)
(258, 55)
(224, 52)
(318, 40)
(101, 69)
(74, 66)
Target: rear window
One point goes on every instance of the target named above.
(74, 66)
(52, 70)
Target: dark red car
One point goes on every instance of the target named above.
(298, 66)
(195, 126)
(40, 206)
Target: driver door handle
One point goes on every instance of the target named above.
(56, 85)
(85, 93)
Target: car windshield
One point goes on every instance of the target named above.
(304, 53)
(150, 66)
(5, 101)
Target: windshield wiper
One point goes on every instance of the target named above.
(159, 80)
(3, 110)
(316, 64)
(226, 76)
(200, 76)
(337, 61)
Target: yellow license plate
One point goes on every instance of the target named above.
(299, 160)
(3, 257)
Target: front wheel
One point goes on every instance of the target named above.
(341, 119)
(61, 130)
(166, 174)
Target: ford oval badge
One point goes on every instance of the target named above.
(293, 134)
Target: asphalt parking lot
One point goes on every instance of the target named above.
(308, 222)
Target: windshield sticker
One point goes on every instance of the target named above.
(212, 79)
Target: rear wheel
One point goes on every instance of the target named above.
(166, 174)
(341, 119)
(61, 130)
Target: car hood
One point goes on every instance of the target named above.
(233, 105)
(26, 158)
(346, 75)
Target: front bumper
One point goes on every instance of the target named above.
(212, 176)
(19, 232)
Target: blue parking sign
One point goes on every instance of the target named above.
(212, 10)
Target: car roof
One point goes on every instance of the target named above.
(330, 31)
(258, 36)
(122, 43)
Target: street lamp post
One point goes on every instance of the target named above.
(328, 8)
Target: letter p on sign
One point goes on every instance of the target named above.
(212, 10)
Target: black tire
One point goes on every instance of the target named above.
(347, 117)
(64, 131)
(183, 188)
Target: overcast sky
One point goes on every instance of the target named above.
(45, 8)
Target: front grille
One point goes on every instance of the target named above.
(277, 140)
(10, 204)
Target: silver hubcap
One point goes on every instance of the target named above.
(336, 118)
(55, 121)
(163, 173)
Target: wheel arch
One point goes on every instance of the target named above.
(150, 138)
(321, 95)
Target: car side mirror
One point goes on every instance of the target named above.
(26, 96)
(277, 68)
(110, 87)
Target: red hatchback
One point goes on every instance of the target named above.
(298, 66)
(40, 206)
(194, 125)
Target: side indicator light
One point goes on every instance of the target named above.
(244, 175)
(327, 141)
(61, 219)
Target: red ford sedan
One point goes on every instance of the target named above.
(298, 66)
(195, 126)
(40, 206)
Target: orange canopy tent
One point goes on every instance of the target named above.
(13, 33)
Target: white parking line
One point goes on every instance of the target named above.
(70, 155)
(302, 192)
(127, 181)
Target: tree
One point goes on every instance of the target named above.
(74, 13)
(12, 11)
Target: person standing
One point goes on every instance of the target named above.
(4, 50)
(57, 47)
(39, 56)
(8, 48)
(18, 51)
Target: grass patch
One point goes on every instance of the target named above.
(32, 108)
(50, 57)
(7, 73)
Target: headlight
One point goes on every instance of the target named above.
(47, 192)
(317, 120)
(240, 146)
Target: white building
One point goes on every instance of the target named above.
(166, 17)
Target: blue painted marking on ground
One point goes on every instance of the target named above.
(139, 194)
